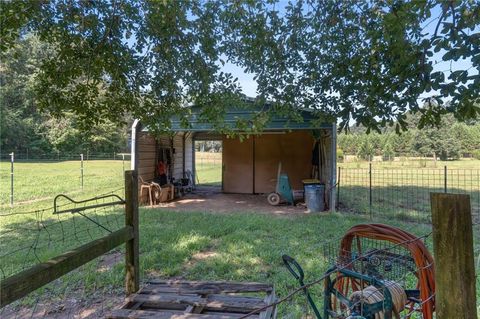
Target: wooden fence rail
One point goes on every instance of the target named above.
(25, 282)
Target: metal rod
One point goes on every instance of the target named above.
(370, 188)
(338, 184)
(445, 179)
(123, 162)
(74, 210)
(81, 167)
(12, 160)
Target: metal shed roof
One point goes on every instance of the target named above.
(232, 115)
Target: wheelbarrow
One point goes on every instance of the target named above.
(283, 190)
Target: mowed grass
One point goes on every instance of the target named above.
(465, 163)
(37, 183)
(194, 246)
(209, 168)
(236, 246)
(403, 189)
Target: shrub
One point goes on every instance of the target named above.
(340, 155)
(476, 154)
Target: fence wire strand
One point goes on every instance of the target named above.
(404, 193)
(32, 237)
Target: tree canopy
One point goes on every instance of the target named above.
(452, 140)
(25, 130)
(369, 62)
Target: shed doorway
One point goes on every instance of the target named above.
(208, 163)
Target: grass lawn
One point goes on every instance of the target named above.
(194, 246)
(209, 174)
(237, 246)
(402, 189)
(416, 163)
(36, 183)
(208, 167)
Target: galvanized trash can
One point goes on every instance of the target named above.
(314, 195)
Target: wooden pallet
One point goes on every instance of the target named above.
(165, 299)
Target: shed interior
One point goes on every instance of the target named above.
(249, 164)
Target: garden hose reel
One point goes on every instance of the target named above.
(368, 278)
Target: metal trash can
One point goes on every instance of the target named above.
(314, 195)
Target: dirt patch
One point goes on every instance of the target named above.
(212, 200)
(107, 261)
(209, 252)
(72, 307)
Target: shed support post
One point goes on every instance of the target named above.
(333, 168)
(184, 137)
(454, 259)
(132, 271)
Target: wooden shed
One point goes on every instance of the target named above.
(250, 164)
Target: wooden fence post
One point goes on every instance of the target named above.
(454, 260)
(132, 276)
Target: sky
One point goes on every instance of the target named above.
(249, 85)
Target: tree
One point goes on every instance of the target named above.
(388, 152)
(24, 129)
(370, 61)
(366, 149)
(20, 127)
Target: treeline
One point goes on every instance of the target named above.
(23, 129)
(451, 140)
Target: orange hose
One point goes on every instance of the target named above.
(423, 259)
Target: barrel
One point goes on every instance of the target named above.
(314, 194)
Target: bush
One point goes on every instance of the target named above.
(476, 154)
(340, 155)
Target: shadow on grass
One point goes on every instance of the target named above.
(237, 247)
(26, 240)
(244, 247)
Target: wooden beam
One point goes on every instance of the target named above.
(454, 259)
(19, 285)
(132, 270)
(148, 314)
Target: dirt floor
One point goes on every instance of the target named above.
(211, 199)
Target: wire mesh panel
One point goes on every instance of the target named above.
(30, 238)
(404, 193)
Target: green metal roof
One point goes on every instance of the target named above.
(232, 115)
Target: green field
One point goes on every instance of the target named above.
(416, 163)
(403, 189)
(36, 183)
(206, 246)
(208, 167)
(197, 246)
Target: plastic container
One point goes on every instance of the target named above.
(314, 195)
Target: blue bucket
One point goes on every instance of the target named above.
(314, 194)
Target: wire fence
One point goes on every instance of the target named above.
(28, 238)
(24, 182)
(63, 156)
(403, 193)
(208, 168)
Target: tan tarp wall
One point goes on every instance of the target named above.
(237, 165)
(293, 149)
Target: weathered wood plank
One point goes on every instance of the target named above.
(175, 298)
(269, 299)
(148, 314)
(132, 269)
(212, 287)
(454, 256)
(233, 303)
(168, 298)
(19, 285)
(152, 289)
(211, 303)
